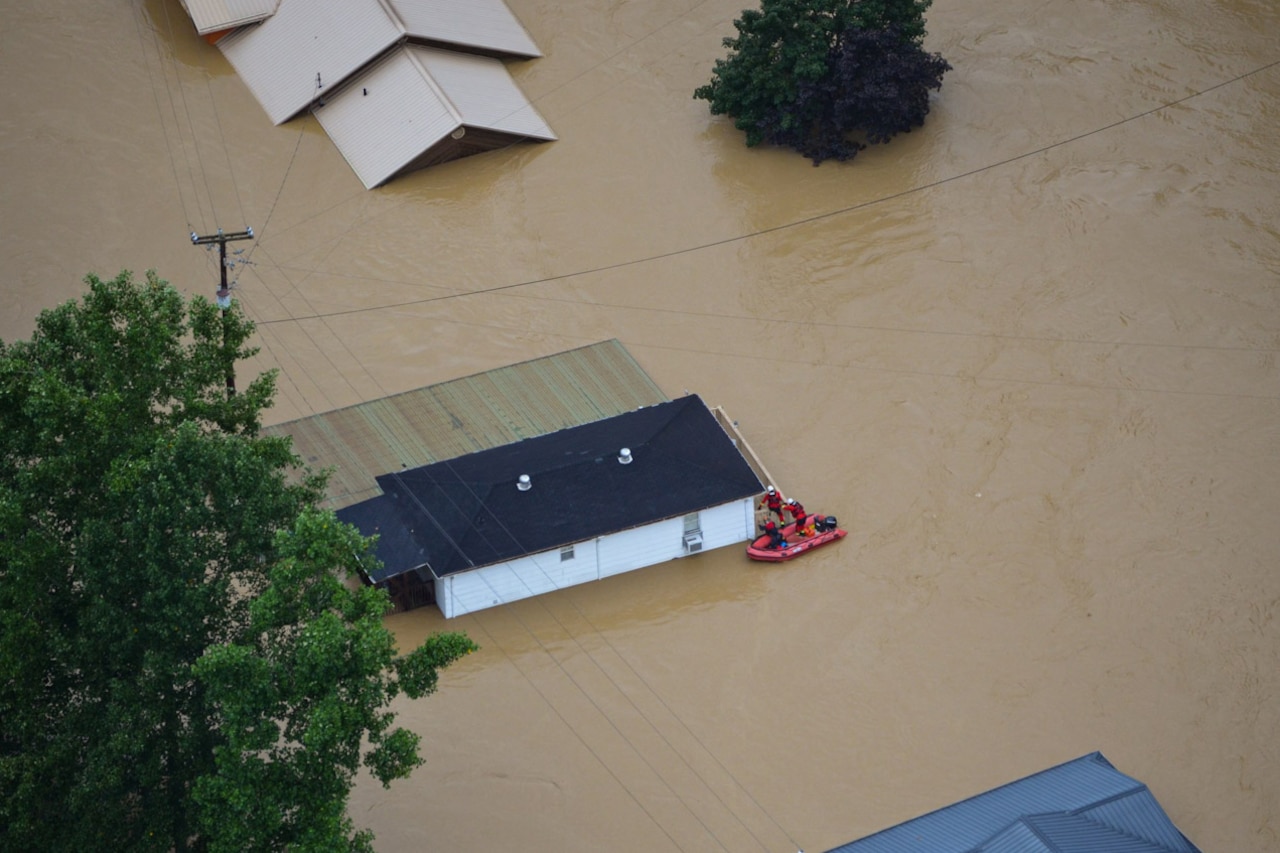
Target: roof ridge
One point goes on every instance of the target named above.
(1076, 815)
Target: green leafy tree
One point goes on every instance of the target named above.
(181, 665)
(877, 87)
(789, 50)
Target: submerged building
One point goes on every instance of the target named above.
(1082, 806)
(396, 84)
(532, 477)
(572, 506)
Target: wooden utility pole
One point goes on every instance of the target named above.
(224, 292)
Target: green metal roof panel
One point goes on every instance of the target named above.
(462, 416)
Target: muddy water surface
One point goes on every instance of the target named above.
(1028, 354)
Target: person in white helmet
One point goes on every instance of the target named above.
(773, 501)
(800, 517)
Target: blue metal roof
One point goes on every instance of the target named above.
(1066, 833)
(1082, 806)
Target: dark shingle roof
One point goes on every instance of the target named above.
(1082, 806)
(467, 512)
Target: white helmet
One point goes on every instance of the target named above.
(770, 490)
(791, 500)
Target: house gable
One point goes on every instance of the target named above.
(418, 106)
(474, 26)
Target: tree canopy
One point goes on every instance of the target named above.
(822, 76)
(181, 664)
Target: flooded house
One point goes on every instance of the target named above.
(1081, 805)
(532, 478)
(397, 85)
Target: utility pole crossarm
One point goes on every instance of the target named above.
(220, 237)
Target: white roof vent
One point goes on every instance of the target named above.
(624, 456)
(524, 484)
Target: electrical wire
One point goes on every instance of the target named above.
(482, 508)
(809, 219)
(323, 350)
(777, 358)
(222, 137)
(493, 640)
(195, 137)
(774, 319)
(498, 597)
(173, 164)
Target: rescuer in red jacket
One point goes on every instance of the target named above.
(775, 535)
(773, 501)
(798, 515)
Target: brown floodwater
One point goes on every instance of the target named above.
(1027, 354)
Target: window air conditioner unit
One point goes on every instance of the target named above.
(692, 543)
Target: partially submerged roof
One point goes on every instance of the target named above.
(1082, 806)
(485, 26)
(464, 415)
(211, 16)
(302, 52)
(307, 48)
(419, 106)
(469, 512)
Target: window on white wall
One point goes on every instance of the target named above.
(566, 553)
(692, 524)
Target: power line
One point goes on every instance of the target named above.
(806, 220)
(683, 725)
(778, 358)
(195, 137)
(324, 352)
(481, 507)
(577, 734)
(484, 536)
(173, 164)
(808, 323)
(288, 168)
(213, 102)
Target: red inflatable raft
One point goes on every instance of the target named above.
(825, 532)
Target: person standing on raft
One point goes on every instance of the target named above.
(773, 501)
(799, 516)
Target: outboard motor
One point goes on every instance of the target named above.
(828, 523)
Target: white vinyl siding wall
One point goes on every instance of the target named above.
(617, 553)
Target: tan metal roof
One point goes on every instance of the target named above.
(398, 110)
(211, 16)
(486, 25)
(462, 416)
(483, 92)
(306, 48)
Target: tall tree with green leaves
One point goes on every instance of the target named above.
(182, 666)
(791, 60)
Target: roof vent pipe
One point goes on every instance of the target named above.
(524, 484)
(624, 456)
